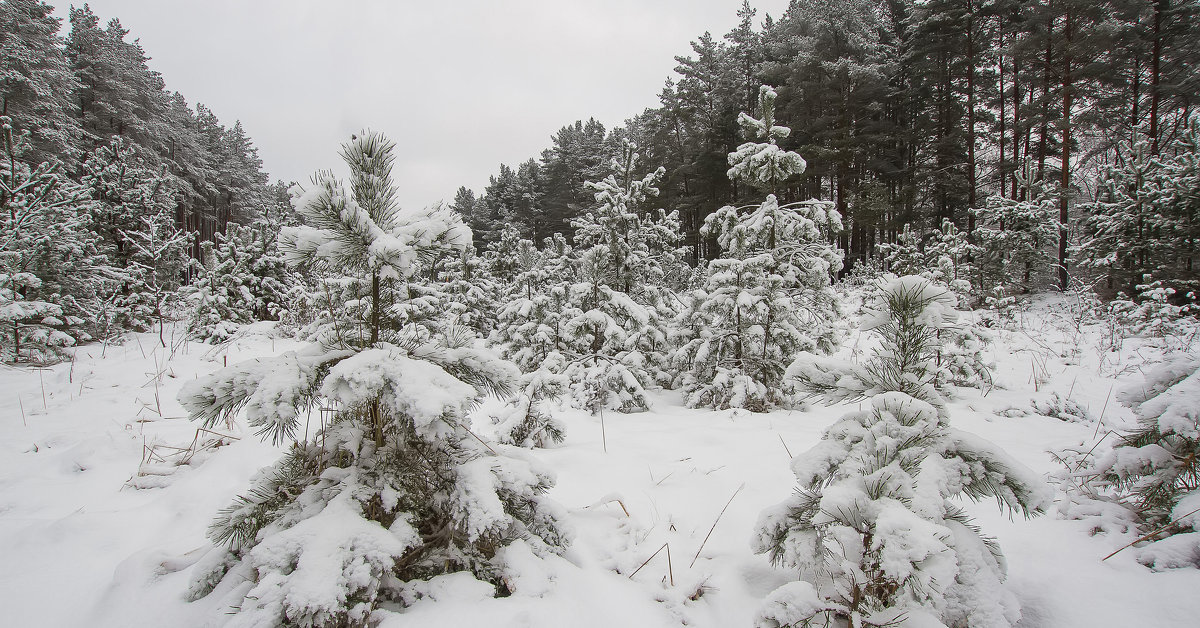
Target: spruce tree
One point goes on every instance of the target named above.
(395, 488)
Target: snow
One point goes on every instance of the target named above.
(72, 527)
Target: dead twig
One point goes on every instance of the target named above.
(1147, 536)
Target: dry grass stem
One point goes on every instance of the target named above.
(714, 525)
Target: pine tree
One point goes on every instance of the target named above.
(764, 164)
(1152, 470)
(871, 528)
(1145, 223)
(601, 329)
(242, 279)
(529, 319)
(52, 268)
(1016, 240)
(396, 488)
(769, 295)
(646, 259)
(579, 154)
(524, 421)
(157, 265)
(36, 82)
(470, 289)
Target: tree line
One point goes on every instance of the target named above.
(976, 112)
(110, 182)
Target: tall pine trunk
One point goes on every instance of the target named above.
(1065, 182)
(1155, 65)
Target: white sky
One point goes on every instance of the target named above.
(460, 85)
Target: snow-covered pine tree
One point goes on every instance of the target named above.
(943, 256)
(947, 259)
(524, 421)
(157, 263)
(132, 211)
(529, 323)
(643, 244)
(1153, 471)
(601, 327)
(51, 269)
(470, 289)
(871, 528)
(768, 297)
(501, 254)
(905, 255)
(1142, 227)
(39, 89)
(1016, 241)
(764, 164)
(396, 488)
(626, 252)
(242, 278)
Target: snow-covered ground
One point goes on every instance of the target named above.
(91, 536)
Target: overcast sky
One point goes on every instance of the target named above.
(460, 85)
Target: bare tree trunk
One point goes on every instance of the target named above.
(375, 307)
(971, 124)
(1155, 62)
(1064, 187)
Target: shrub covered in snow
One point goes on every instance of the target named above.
(394, 487)
(872, 527)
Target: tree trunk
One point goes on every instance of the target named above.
(970, 124)
(1065, 183)
(1155, 61)
(1044, 130)
(375, 307)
